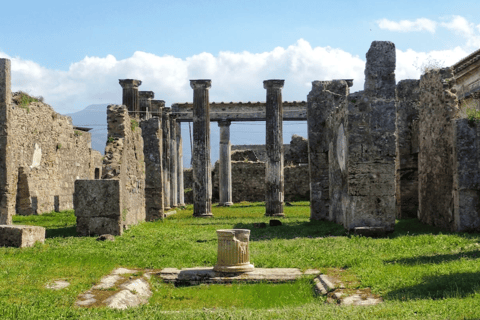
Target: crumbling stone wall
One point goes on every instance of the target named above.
(436, 154)
(42, 154)
(258, 149)
(352, 146)
(50, 155)
(123, 163)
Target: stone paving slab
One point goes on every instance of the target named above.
(194, 276)
(58, 285)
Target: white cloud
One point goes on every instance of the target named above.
(235, 76)
(464, 28)
(421, 24)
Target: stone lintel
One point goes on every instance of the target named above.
(129, 83)
(242, 111)
(21, 236)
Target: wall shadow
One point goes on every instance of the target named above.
(458, 285)
(292, 230)
(61, 232)
(436, 259)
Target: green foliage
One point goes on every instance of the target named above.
(77, 133)
(420, 272)
(110, 139)
(133, 124)
(59, 146)
(473, 114)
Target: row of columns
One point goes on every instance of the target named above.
(141, 106)
(202, 183)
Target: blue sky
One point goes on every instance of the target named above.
(73, 52)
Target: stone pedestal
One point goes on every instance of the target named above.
(21, 236)
(202, 173)
(233, 251)
(225, 182)
(173, 162)
(181, 196)
(145, 102)
(274, 147)
(130, 95)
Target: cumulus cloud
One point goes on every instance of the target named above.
(235, 76)
(421, 24)
(465, 29)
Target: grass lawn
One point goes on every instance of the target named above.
(420, 272)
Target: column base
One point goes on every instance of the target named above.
(203, 215)
(166, 208)
(275, 215)
(234, 269)
(181, 205)
(225, 204)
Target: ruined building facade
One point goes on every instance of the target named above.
(42, 154)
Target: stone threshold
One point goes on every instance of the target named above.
(195, 276)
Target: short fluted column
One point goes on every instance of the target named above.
(145, 102)
(233, 251)
(173, 162)
(130, 95)
(202, 175)
(180, 186)
(274, 147)
(166, 157)
(225, 181)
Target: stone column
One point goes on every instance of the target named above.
(202, 173)
(173, 162)
(166, 158)
(130, 95)
(181, 195)
(7, 208)
(157, 107)
(225, 181)
(152, 151)
(274, 146)
(233, 252)
(145, 98)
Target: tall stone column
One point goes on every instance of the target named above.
(166, 158)
(7, 205)
(181, 195)
(130, 95)
(173, 162)
(157, 107)
(225, 181)
(274, 147)
(202, 173)
(152, 151)
(145, 98)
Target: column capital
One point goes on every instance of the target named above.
(129, 83)
(224, 123)
(201, 84)
(158, 103)
(273, 83)
(146, 94)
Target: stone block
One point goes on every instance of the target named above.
(21, 236)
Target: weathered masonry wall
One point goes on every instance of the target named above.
(44, 156)
(352, 146)
(123, 163)
(435, 158)
(406, 164)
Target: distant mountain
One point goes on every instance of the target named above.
(95, 117)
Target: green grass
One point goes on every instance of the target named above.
(420, 272)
